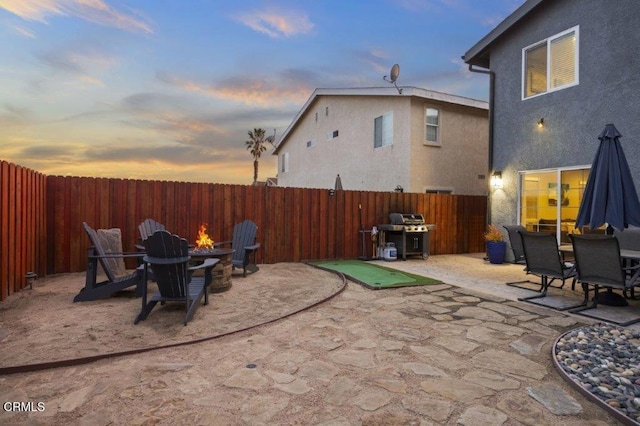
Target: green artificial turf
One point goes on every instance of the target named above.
(374, 276)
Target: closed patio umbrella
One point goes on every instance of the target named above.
(610, 195)
(338, 184)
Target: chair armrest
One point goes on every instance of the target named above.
(140, 247)
(208, 263)
(253, 247)
(633, 275)
(631, 268)
(116, 255)
(165, 261)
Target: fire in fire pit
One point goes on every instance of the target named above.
(203, 242)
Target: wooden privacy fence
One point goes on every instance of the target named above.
(23, 232)
(294, 224)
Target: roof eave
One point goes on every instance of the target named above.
(379, 91)
(479, 53)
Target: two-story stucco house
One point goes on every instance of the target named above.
(377, 139)
(560, 71)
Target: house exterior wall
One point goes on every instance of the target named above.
(460, 158)
(608, 92)
(351, 154)
(407, 162)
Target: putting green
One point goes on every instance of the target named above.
(374, 276)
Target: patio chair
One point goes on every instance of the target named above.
(169, 256)
(599, 264)
(518, 253)
(516, 242)
(629, 239)
(146, 229)
(97, 254)
(244, 244)
(543, 260)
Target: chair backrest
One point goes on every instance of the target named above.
(244, 234)
(516, 241)
(629, 238)
(169, 256)
(148, 227)
(99, 250)
(598, 260)
(541, 254)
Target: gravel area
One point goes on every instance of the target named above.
(604, 361)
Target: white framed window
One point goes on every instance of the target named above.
(383, 130)
(551, 64)
(311, 143)
(284, 162)
(432, 123)
(332, 135)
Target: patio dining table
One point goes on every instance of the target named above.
(630, 255)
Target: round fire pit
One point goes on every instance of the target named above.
(222, 271)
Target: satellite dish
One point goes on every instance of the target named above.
(394, 74)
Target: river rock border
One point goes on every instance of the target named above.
(602, 361)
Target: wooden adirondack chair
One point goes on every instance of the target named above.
(168, 255)
(244, 244)
(146, 229)
(95, 290)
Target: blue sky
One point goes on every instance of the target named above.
(167, 89)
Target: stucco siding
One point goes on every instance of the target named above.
(351, 154)
(608, 92)
(461, 156)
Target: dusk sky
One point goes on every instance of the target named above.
(167, 89)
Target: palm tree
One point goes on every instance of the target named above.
(256, 145)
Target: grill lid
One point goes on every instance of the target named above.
(406, 219)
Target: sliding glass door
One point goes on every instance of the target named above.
(549, 200)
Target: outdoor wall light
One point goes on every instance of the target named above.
(332, 192)
(541, 122)
(399, 189)
(496, 179)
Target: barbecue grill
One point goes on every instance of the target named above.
(409, 233)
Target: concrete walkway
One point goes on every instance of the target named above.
(463, 352)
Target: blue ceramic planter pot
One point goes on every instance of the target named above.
(496, 251)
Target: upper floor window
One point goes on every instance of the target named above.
(383, 130)
(550, 64)
(311, 143)
(284, 162)
(332, 135)
(432, 120)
